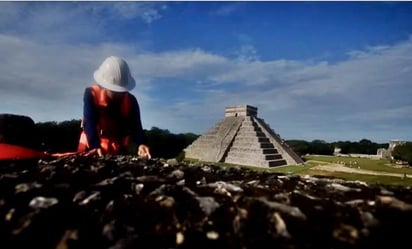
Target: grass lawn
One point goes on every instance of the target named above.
(363, 163)
(381, 165)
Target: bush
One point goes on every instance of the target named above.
(403, 152)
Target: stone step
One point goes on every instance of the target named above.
(200, 153)
(264, 151)
(255, 156)
(199, 148)
(244, 144)
(273, 156)
(280, 162)
(258, 163)
(250, 127)
(208, 136)
(202, 143)
(252, 139)
(248, 120)
(248, 133)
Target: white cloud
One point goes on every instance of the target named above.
(149, 12)
(44, 73)
(380, 115)
(369, 88)
(193, 64)
(67, 22)
(247, 53)
(367, 91)
(372, 88)
(228, 8)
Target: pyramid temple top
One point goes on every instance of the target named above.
(240, 110)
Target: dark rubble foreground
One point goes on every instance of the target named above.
(125, 202)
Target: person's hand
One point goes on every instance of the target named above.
(96, 151)
(143, 151)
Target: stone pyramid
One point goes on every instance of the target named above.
(242, 138)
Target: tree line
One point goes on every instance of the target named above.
(320, 147)
(401, 152)
(64, 137)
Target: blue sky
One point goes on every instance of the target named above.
(315, 70)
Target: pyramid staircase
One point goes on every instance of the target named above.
(242, 138)
(252, 147)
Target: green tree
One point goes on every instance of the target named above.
(59, 137)
(403, 152)
(345, 146)
(164, 144)
(364, 146)
(320, 147)
(301, 147)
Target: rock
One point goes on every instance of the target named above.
(126, 202)
(18, 130)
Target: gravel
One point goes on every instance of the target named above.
(126, 202)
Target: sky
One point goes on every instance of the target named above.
(334, 71)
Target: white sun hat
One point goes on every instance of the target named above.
(114, 75)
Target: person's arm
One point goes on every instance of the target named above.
(90, 119)
(137, 130)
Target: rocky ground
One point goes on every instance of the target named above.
(125, 202)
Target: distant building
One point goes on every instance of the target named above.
(387, 153)
(383, 153)
(336, 151)
(394, 143)
(380, 153)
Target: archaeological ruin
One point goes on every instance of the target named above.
(242, 138)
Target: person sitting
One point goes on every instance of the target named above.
(111, 114)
